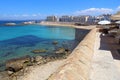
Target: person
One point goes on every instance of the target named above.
(103, 34)
(118, 41)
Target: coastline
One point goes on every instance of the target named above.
(42, 72)
(66, 24)
(57, 24)
(59, 69)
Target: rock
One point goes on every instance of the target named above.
(67, 50)
(10, 72)
(17, 64)
(48, 59)
(60, 50)
(27, 63)
(38, 58)
(10, 24)
(55, 42)
(32, 59)
(39, 51)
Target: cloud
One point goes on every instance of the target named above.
(24, 15)
(15, 15)
(94, 11)
(118, 8)
(34, 15)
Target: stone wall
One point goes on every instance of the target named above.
(77, 65)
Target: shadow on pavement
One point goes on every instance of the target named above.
(109, 43)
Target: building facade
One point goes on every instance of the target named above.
(52, 18)
(83, 19)
(66, 18)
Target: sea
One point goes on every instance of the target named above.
(20, 40)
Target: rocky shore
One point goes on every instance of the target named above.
(16, 68)
(35, 72)
(42, 72)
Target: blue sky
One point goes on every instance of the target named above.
(38, 9)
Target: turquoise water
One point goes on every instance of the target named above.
(19, 41)
(37, 30)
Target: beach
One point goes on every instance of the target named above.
(67, 24)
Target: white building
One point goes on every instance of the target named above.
(83, 19)
(52, 18)
(79, 19)
(66, 18)
(89, 19)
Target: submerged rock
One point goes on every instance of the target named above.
(55, 42)
(39, 51)
(62, 53)
(60, 50)
(2, 64)
(17, 64)
(7, 54)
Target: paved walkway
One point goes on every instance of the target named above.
(103, 65)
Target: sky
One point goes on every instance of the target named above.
(39, 9)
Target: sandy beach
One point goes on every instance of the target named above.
(66, 24)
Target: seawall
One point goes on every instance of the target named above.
(77, 65)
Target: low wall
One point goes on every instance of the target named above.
(77, 65)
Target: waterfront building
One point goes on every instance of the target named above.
(79, 19)
(98, 18)
(89, 19)
(84, 19)
(107, 17)
(104, 17)
(52, 18)
(66, 18)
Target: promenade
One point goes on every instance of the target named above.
(106, 60)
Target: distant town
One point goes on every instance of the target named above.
(85, 19)
(65, 19)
